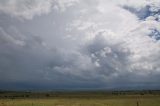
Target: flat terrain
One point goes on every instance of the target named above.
(80, 99)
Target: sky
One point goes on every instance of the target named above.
(79, 44)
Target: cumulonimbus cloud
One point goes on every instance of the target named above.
(101, 42)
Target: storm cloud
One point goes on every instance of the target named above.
(79, 44)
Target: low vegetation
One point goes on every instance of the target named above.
(96, 98)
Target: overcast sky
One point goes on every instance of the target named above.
(79, 44)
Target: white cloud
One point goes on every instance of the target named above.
(61, 5)
(134, 3)
(27, 9)
(107, 43)
(120, 42)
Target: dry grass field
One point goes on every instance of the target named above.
(81, 99)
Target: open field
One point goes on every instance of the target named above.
(80, 99)
(153, 101)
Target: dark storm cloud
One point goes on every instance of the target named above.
(78, 46)
(26, 58)
(113, 62)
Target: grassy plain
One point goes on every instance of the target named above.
(80, 99)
